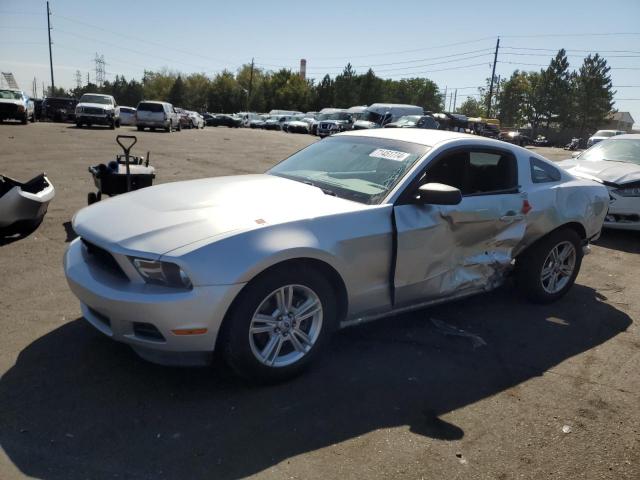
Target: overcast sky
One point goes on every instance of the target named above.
(451, 43)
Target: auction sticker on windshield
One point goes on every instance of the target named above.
(389, 154)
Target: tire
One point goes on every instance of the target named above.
(140, 129)
(112, 125)
(78, 125)
(179, 128)
(169, 127)
(537, 262)
(92, 198)
(242, 350)
(24, 119)
(117, 123)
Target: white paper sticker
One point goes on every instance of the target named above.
(389, 154)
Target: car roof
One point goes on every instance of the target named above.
(414, 135)
(628, 136)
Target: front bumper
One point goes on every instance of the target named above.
(624, 212)
(96, 119)
(117, 306)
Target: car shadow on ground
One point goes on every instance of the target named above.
(622, 240)
(77, 405)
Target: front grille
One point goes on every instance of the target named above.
(147, 331)
(93, 110)
(104, 259)
(325, 126)
(8, 108)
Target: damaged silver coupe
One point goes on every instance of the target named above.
(358, 226)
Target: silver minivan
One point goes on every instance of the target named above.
(152, 115)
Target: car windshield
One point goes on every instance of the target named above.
(360, 169)
(409, 119)
(604, 133)
(10, 95)
(618, 150)
(95, 99)
(334, 116)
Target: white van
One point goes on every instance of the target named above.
(379, 114)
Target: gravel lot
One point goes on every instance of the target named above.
(391, 399)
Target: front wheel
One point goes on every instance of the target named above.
(279, 324)
(547, 270)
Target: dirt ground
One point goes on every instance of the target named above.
(554, 393)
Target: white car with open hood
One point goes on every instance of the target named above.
(359, 226)
(616, 164)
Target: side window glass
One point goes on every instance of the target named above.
(491, 172)
(542, 172)
(476, 172)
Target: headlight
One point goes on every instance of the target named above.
(78, 109)
(628, 192)
(162, 273)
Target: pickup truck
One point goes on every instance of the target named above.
(97, 109)
(16, 105)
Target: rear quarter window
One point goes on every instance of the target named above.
(542, 172)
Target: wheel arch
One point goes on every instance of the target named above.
(576, 227)
(329, 272)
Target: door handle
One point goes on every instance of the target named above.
(511, 218)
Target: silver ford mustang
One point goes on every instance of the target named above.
(358, 226)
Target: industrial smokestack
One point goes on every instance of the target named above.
(303, 68)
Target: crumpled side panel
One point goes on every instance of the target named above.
(449, 250)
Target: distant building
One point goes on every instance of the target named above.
(618, 121)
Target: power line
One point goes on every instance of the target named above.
(138, 39)
(318, 67)
(419, 66)
(572, 50)
(542, 35)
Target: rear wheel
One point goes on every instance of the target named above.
(92, 198)
(547, 270)
(140, 128)
(279, 324)
(169, 127)
(78, 124)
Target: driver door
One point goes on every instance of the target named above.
(452, 250)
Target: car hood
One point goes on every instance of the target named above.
(12, 101)
(159, 219)
(95, 105)
(365, 124)
(604, 170)
(298, 124)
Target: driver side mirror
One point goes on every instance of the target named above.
(438, 194)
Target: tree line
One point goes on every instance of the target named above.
(553, 97)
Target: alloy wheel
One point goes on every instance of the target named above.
(286, 325)
(558, 267)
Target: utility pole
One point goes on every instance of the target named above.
(87, 78)
(450, 100)
(250, 85)
(53, 85)
(445, 96)
(455, 99)
(493, 74)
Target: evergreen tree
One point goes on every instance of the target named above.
(593, 93)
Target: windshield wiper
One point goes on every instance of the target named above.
(326, 191)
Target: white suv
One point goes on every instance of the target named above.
(97, 109)
(152, 115)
